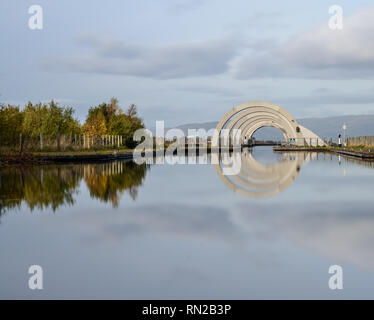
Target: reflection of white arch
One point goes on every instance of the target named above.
(242, 121)
(258, 180)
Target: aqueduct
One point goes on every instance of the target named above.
(240, 123)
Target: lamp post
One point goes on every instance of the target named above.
(344, 129)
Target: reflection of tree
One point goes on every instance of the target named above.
(56, 187)
(50, 186)
(11, 190)
(38, 187)
(122, 176)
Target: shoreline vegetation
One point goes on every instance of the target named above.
(48, 133)
(48, 127)
(40, 158)
(362, 152)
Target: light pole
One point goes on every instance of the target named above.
(344, 129)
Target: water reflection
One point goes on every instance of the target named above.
(340, 230)
(193, 235)
(39, 187)
(107, 182)
(259, 180)
(54, 186)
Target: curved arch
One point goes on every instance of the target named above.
(249, 131)
(279, 129)
(250, 128)
(256, 117)
(258, 112)
(246, 118)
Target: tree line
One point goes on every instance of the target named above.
(51, 119)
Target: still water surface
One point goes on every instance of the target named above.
(125, 231)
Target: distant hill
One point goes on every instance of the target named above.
(362, 125)
(330, 127)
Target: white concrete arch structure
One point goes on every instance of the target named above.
(240, 123)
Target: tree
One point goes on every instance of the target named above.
(132, 112)
(109, 118)
(95, 125)
(113, 109)
(126, 125)
(10, 124)
(121, 125)
(49, 120)
(100, 117)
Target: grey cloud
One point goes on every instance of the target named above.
(318, 98)
(261, 19)
(186, 5)
(193, 59)
(210, 90)
(335, 229)
(107, 47)
(318, 53)
(198, 222)
(321, 90)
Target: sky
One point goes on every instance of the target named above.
(188, 61)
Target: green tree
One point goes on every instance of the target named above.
(126, 125)
(95, 125)
(108, 118)
(49, 120)
(113, 109)
(10, 124)
(108, 110)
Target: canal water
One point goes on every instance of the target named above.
(158, 231)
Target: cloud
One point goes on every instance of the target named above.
(322, 91)
(168, 61)
(186, 5)
(212, 90)
(266, 20)
(318, 53)
(338, 231)
(205, 223)
(318, 98)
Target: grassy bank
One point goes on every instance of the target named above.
(42, 157)
(92, 155)
(366, 153)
